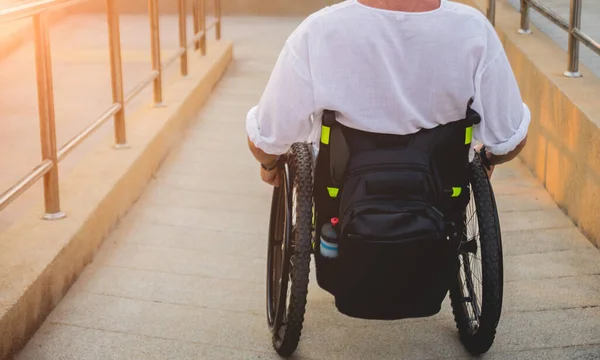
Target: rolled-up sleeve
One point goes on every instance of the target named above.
(504, 117)
(283, 115)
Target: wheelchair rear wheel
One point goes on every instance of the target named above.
(289, 250)
(476, 293)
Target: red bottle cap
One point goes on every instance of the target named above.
(334, 221)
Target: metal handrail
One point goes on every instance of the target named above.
(51, 154)
(572, 26)
(33, 8)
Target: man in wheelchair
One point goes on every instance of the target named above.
(393, 92)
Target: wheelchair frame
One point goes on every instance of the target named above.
(291, 240)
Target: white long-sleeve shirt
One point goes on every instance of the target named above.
(390, 72)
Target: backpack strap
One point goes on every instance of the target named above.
(331, 166)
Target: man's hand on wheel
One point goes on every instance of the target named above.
(272, 177)
(492, 167)
(501, 159)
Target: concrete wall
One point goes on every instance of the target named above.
(229, 7)
(563, 150)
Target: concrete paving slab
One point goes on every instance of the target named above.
(73, 343)
(154, 319)
(521, 186)
(251, 92)
(204, 140)
(510, 171)
(543, 240)
(230, 114)
(184, 262)
(189, 161)
(197, 142)
(213, 145)
(238, 183)
(209, 293)
(200, 240)
(199, 325)
(543, 329)
(551, 265)
(165, 195)
(410, 341)
(246, 82)
(213, 219)
(438, 339)
(591, 352)
(551, 218)
(551, 294)
(223, 130)
(537, 199)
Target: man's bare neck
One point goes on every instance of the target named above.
(403, 5)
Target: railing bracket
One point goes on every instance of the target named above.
(570, 74)
(55, 216)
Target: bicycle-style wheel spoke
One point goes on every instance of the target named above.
(476, 296)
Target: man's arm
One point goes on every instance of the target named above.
(261, 156)
(504, 117)
(501, 159)
(283, 115)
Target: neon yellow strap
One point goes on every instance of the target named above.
(333, 192)
(456, 191)
(325, 131)
(469, 135)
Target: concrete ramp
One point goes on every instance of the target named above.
(183, 275)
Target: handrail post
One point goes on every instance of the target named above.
(491, 12)
(43, 66)
(155, 40)
(574, 24)
(218, 16)
(183, 37)
(202, 20)
(524, 18)
(196, 21)
(116, 71)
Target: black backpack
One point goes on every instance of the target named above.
(400, 201)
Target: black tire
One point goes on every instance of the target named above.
(290, 239)
(477, 313)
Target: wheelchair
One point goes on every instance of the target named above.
(475, 292)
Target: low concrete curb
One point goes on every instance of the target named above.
(40, 260)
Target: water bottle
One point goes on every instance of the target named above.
(329, 240)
